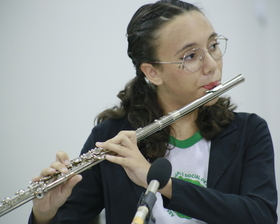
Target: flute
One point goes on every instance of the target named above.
(94, 156)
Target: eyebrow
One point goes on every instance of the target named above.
(193, 44)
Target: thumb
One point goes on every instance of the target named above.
(70, 184)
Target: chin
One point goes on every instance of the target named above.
(212, 102)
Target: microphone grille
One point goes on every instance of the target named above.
(160, 170)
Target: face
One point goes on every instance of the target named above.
(178, 87)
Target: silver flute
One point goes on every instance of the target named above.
(94, 156)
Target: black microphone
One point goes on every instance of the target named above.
(158, 176)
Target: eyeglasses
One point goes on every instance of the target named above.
(194, 59)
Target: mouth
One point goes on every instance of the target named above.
(212, 85)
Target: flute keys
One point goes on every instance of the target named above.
(87, 156)
(96, 151)
(6, 202)
(76, 161)
(20, 192)
(32, 185)
(41, 190)
(39, 194)
(45, 178)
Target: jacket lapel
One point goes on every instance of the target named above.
(223, 149)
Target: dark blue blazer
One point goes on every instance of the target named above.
(241, 181)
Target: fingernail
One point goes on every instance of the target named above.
(99, 144)
(64, 170)
(108, 157)
(66, 162)
(35, 178)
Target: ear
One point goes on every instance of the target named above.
(151, 73)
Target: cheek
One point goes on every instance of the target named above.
(220, 64)
(175, 79)
(180, 82)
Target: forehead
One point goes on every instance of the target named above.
(191, 27)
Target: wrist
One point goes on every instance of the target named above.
(167, 189)
(42, 217)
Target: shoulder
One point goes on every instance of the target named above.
(248, 119)
(110, 128)
(245, 127)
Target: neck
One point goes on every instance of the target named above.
(185, 127)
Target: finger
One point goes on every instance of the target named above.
(116, 148)
(45, 172)
(130, 134)
(121, 143)
(74, 180)
(122, 137)
(36, 178)
(62, 157)
(59, 167)
(55, 166)
(116, 159)
(62, 160)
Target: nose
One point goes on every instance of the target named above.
(209, 63)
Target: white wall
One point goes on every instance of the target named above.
(63, 62)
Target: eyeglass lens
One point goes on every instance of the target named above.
(193, 60)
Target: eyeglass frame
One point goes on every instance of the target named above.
(203, 54)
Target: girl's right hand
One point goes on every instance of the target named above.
(45, 209)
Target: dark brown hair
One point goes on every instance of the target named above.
(139, 100)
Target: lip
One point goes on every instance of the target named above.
(212, 85)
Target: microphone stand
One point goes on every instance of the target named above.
(156, 179)
(146, 204)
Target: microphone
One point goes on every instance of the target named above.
(158, 176)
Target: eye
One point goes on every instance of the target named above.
(190, 55)
(214, 46)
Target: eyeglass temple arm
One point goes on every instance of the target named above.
(163, 62)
